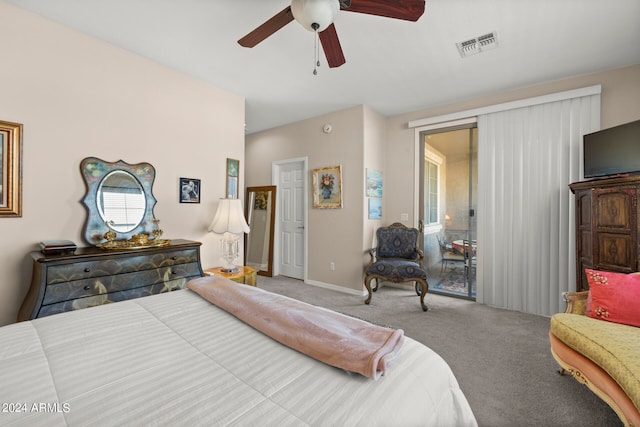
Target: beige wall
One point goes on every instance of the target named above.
(620, 104)
(374, 143)
(389, 144)
(79, 97)
(334, 235)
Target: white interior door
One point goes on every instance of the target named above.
(291, 223)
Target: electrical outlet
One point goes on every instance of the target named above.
(404, 217)
(332, 266)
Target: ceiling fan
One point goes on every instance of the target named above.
(318, 16)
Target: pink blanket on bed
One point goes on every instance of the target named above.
(330, 337)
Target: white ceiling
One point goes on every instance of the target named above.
(392, 66)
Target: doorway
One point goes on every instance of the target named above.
(291, 218)
(448, 205)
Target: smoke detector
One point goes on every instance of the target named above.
(478, 44)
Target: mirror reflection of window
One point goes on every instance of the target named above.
(124, 208)
(121, 201)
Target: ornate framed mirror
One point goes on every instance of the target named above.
(119, 203)
(260, 211)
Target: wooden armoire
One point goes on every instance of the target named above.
(606, 226)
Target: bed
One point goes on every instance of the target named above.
(177, 359)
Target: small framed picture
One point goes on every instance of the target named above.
(374, 184)
(327, 187)
(375, 208)
(233, 174)
(189, 190)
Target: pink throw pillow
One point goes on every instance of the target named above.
(614, 297)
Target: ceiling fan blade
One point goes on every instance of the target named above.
(268, 28)
(331, 47)
(408, 10)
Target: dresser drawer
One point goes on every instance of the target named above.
(119, 282)
(98, 268)
(92, 301)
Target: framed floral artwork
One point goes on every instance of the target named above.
(327, 187)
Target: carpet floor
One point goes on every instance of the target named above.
(501, 358)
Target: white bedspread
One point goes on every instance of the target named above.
(175, 359)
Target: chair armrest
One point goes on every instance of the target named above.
(576, 301)
(372, 254)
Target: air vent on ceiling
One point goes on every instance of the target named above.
(478, 44)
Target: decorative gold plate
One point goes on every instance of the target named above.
(132, 244)
(137, 241)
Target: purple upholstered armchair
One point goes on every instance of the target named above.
(397, 258)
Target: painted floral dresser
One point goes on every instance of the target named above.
(92, 276)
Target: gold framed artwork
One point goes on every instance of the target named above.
(10, 169)
(233, 176)
(327, 187)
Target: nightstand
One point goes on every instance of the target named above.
(245, 275)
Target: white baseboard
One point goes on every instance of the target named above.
(333, 287)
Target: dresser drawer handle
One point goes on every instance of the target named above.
(86, 288)
(174, 258)
(86, 270)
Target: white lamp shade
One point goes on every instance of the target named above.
(321, 12)
(229, 218)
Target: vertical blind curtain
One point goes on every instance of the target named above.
(527, 158)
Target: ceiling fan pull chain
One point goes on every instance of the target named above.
(316, 49)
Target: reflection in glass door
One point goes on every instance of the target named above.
(449, 182)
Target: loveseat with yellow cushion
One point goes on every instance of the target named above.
(598, 352)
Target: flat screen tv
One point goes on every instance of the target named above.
(612, 151)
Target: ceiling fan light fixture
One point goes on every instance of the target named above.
(319, 12)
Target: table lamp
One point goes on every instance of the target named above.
(229, 221)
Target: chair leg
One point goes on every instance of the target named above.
(367, 284)
(425, 289)
(421, 286)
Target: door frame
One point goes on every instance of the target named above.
(420, 134)
(275, 178)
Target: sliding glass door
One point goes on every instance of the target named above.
(449, 183)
